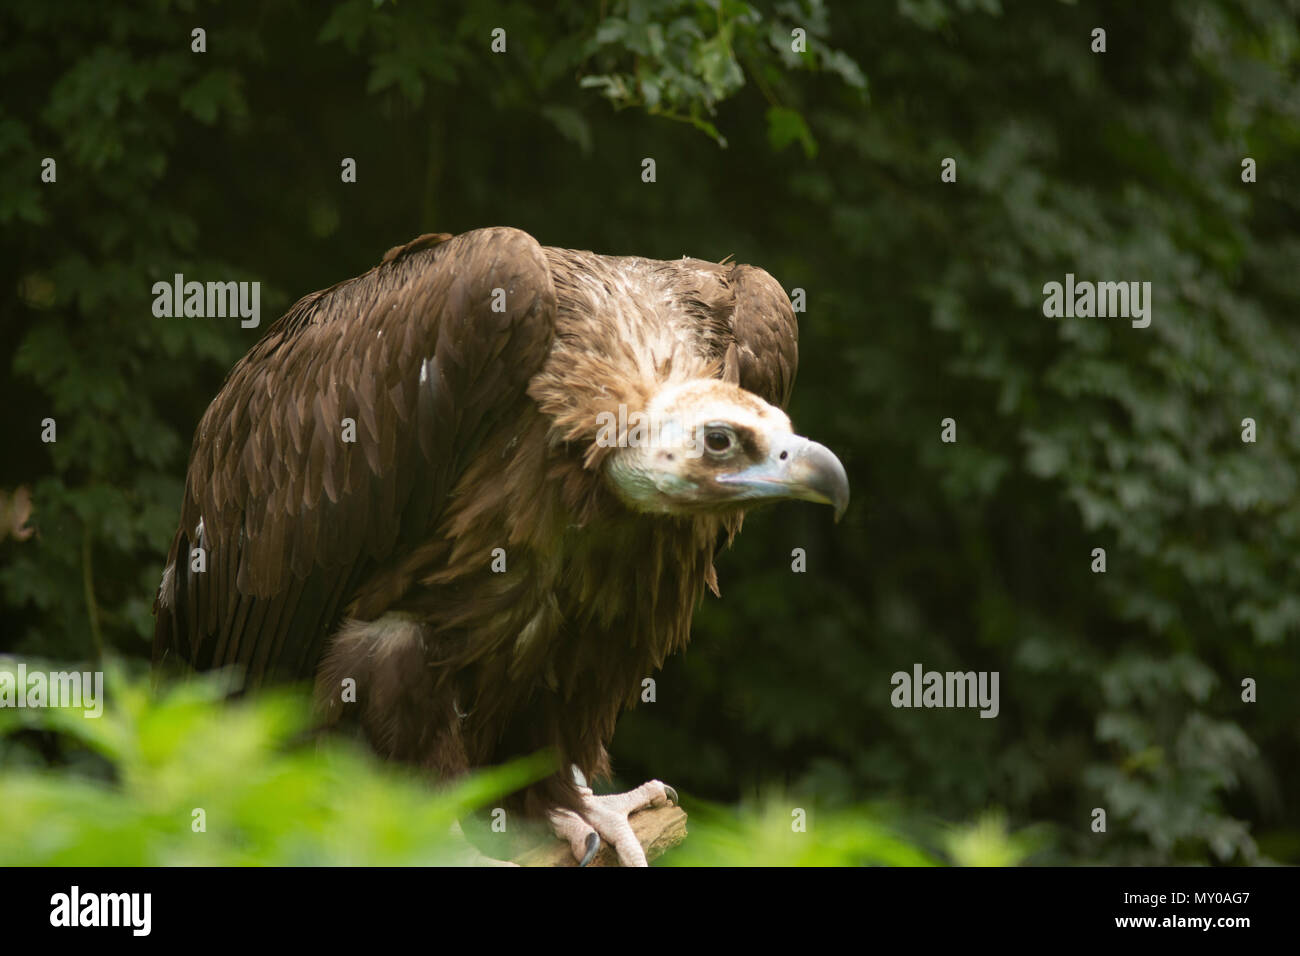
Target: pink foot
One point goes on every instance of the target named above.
(605, 818)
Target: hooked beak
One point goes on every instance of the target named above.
(795, 468)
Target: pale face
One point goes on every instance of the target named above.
(710, 446)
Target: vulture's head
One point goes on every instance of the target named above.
(710, 446)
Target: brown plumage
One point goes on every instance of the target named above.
(478, 371)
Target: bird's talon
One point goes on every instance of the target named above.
(593, 847)
(601, 820)
(672, 795)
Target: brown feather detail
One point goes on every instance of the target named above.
(359, 343)
(426, 241)
(760, 321)
(477, 432)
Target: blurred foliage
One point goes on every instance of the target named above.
(1119, 690)
(133, 780)
(775, 831)
(137, 777)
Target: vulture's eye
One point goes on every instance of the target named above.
(719, 441)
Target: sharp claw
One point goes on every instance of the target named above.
(600, 821)
(593, 845)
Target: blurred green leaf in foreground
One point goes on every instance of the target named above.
(776, 831)
(183, 777)
(240, 769)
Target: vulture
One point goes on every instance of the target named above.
(483, 485)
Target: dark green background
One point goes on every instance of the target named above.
(1119, 691)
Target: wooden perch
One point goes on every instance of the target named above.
(659, 829)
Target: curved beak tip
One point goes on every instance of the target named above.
(822, 476)
(796, 468)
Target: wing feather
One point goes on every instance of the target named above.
(749, 324)
(767, 334)
(295, 518)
